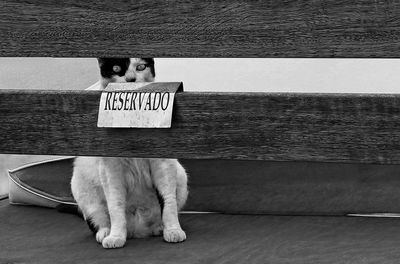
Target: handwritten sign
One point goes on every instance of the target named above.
(140, 105)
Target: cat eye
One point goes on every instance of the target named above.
(116, 68)
(141, 67)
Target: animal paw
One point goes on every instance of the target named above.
(174, 235)
(113, 242)
(102, 233)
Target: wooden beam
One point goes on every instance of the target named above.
(226, 28)
(254, 126)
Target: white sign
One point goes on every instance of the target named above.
(121, 106)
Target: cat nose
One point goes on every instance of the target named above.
(130, 79)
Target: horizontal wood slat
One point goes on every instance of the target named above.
(226, 28)
(254, 126)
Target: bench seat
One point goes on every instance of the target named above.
(41, 235)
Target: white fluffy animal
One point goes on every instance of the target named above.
(123, 198)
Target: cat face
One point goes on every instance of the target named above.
(126, 70)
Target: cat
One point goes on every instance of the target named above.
(123, 198)
(126, 70)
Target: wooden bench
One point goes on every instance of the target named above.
(283, 171)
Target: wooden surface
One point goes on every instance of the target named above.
(33, 235)
(361, 28)
(287, 127)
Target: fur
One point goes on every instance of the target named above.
(120, 197)
(126, 70)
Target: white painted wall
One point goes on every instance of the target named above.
(239, 75)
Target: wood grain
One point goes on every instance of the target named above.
(256, 126)
(295, 28)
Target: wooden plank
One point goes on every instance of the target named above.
(259, 126)
(226, 28)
